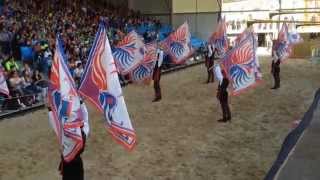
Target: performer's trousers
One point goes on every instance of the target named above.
(156, 82)
(225, 107)
(276, 76)
(157, 89)
(73, 170)
(210, 76)
(210, 64)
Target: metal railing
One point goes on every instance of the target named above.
(39, 99)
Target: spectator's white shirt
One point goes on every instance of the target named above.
(47, 54)
(160, 57)
(16, 82)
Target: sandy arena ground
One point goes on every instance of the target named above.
(179, 138)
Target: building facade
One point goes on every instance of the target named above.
(239, 12)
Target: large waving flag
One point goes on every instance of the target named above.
(65, 104)
(100, 85)
(129, 52)
(241, 37)
(178, 44)
(282, 46)
(3, 83)
(219, 38)
(143, 73)
(241, 65)
(293, 36)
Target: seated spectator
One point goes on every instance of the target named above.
(36, 76)
(16, 91)
(11, 64)
(32, 89)
(27, 71)
(16, 83)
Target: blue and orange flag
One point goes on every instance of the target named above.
(219, 38)
(241, 37)
(178, 44)
(129, 52)
(282, 47)
(65, 105)
(241, 64)
(143, 73)
(100, 85)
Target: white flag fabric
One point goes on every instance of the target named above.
(100, 85)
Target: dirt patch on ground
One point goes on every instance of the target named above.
(179, 138)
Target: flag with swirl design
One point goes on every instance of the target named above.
(129, 52)
(241, 65)
(282, 45)
(178, 44)
(219, 38)
(65, 105)
(143, 73)
(100, 85)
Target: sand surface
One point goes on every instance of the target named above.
(179, 138)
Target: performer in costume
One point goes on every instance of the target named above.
(209, 62)
(157, 76)
(73, 170)
(222, 94)
(275, 70)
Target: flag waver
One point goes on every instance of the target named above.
(100, 85)
(219, 38)
(129, 52)
(178, 45)
(65, 105)
(3, 83)
(242, 66)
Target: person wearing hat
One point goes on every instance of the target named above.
(157, 75)
(222, 94)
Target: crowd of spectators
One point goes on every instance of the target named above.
(27, 40)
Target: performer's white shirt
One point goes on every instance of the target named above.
(160, 57)
(218, 73)
(86, 126)
(210, 52)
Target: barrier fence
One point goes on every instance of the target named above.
(10, 106)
